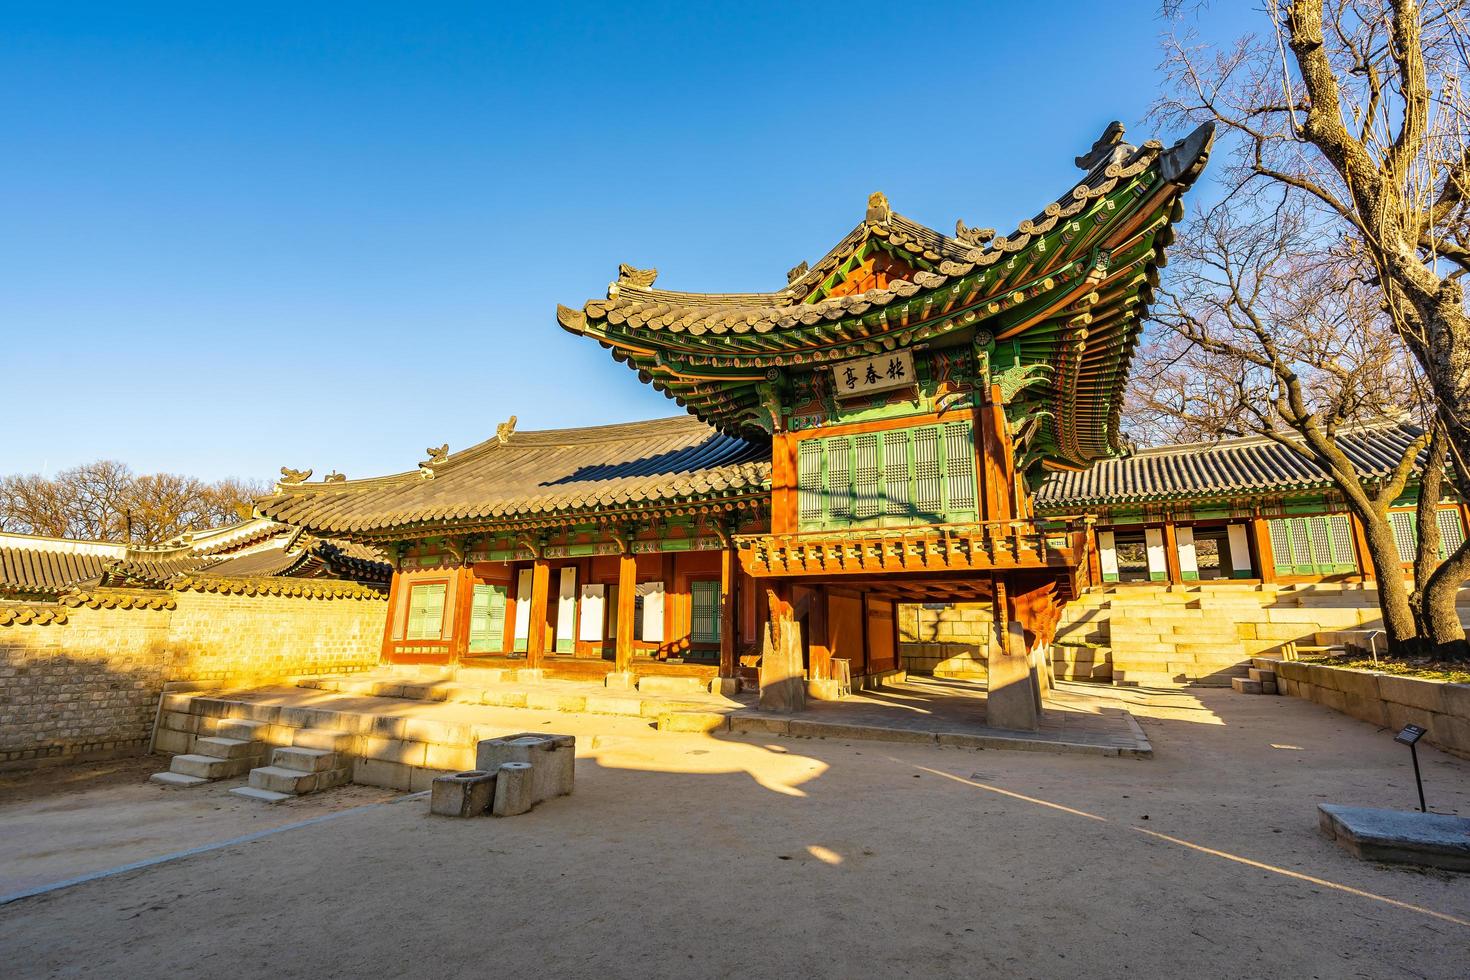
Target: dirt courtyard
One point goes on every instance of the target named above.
(700, 856)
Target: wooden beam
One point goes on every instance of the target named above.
(627, 597)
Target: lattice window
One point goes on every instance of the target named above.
(425, 612)
(1280, 542)
(809, 479)
(1301, 546)
(1342, 540)
(839, 479)
(704, 614)
(1404, 533)
(959, 466)
(1451, 531)
(867, 490)
(896, 472)
(928, 475)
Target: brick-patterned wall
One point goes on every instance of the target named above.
(88, 687)
(947, 642)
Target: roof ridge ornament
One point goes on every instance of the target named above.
(335, 477)
(1103, 149)
(879, 213)
(637, 278)
(437, 454)
(290, 477)
(505, 430)
(796, 272)
(972, 236)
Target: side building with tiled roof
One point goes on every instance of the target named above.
(1246, 508)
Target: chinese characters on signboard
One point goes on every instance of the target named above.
(873, 374)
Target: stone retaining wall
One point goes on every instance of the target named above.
(1386, 700)
(946, 642)
(86, 685)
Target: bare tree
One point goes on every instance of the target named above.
(1262, 334)
(1349, 114)
(106, 501)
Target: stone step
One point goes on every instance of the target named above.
(281, 780)
(240, 728)
(208, 767)
(218, 747)
(1244, 685)
(324, 738)
(176, 780)
(260, 795)
(305, 760)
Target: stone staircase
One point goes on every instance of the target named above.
(234, 749)
(316, 759)
(1201, 633)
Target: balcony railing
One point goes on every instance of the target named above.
(988, 546)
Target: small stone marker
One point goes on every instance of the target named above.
(550, 759)
(463, 794)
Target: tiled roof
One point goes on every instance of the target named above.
(38, 566)
(631, 465)
(1067, 289)
(1232, 467)
(33, 566)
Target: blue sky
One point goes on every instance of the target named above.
(244, 236)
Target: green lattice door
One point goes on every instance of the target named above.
(487, 619)
(1318, 545)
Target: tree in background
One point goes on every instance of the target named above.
(1328, 286)
(106, 501)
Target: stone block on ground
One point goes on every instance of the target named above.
(620, 680)
(551, 757)
(1244, 685)
(667, 684)
(514, 789)
(692, 721)
(1399, 836)
(463, 794)
(176, 780)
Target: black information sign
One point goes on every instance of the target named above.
(1410, 735)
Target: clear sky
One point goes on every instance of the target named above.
(329, 235)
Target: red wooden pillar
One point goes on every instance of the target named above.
(995, 465)
(729, 603)
(1265, 559)
(1360, 545)
(536, 634)
(1171, 555)
(627, 596)
(395, 596)
(459, 627)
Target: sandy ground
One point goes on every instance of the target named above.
(698, 856)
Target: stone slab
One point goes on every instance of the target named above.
(1399, 836)
(176, 780)
(260, 795)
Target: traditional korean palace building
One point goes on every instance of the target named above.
(914, 418)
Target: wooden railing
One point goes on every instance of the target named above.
(986, 546)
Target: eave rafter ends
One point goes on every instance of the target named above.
(1069, 283)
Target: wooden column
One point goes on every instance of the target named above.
(627, 597)
(395, 596)
(996, 466)
(536, 634)
(1265, 560)
(729, 604)
(1171, 554)
(464, 600)
(1360, 545)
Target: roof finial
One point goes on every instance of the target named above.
(437, 454)
(639, 278)
(796, 272)
(334, 477)
(505, 430)
(878, 211)
(1103, 148)
(972, 236)
(290, 476)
